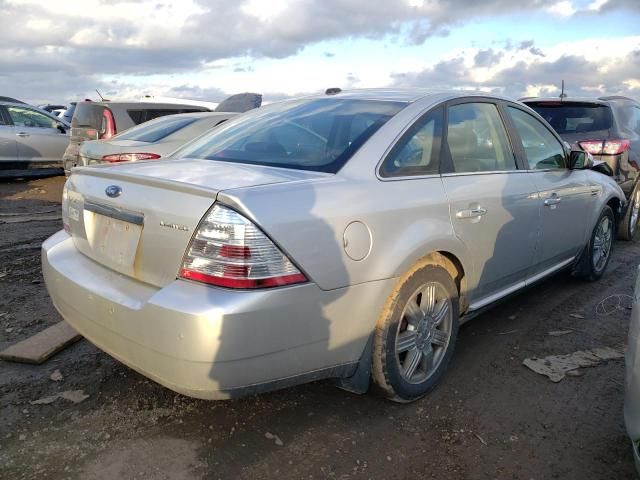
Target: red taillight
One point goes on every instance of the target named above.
(107, 126)
(228, 250)
(604, 147)
(129, 157)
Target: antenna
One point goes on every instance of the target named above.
(102, 98)
(562, 94)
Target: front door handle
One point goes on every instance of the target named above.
(471, 212)
(553, 201)
(22, 134)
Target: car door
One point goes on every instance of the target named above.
(563, 195)
(490, 198)
(37, 135)
(8, 145)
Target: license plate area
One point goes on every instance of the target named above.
(112, 234)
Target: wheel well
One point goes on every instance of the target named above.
(452, 264)
(614, 203)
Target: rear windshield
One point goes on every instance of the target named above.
(142, 115)
(87, 115)
(575, 117)
(156, 131)
(319, 135)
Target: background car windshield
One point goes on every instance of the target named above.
(156, 131)
(318, 135)
(575, 118)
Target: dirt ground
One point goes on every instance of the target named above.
(491, 418)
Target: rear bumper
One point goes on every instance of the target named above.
(209, 342)
(71, 157)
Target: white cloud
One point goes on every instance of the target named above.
(208, 47)
(564, 8)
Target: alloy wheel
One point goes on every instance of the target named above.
(602, 243)
(424, 332)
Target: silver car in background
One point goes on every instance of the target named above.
(632, 361)
(151, 140)
(344, 236)
(30, 138)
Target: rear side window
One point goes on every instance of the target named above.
(542, 149)
(156, 131)
(628, 115)
(575, 117)
(477, 139)
(87, 115)
(319, 134)
(418, 150)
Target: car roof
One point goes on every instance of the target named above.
(17, 104)
(193, 115)
(595, 100)
(408, 95)
(149, 105)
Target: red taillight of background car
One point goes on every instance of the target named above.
(107, 125)
(604, 147)
(228, 250)
(129, 157)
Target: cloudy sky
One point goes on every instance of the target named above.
(58, 51)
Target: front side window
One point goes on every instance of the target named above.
(542, 149)
(418, 150)
(25, 117)
(477, 139)
(318, 134)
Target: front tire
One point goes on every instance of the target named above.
(416, 333)
(596, 256)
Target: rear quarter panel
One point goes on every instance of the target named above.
(406, 220)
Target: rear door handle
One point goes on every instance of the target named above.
(22, 134)
(471, 212)
(549, 202)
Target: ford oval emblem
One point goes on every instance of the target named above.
(113, 191)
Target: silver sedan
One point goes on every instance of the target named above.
(30, 138)
(345, 235)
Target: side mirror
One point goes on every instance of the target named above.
(580, 160)
(61, 127)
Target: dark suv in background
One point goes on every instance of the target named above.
(609, 129)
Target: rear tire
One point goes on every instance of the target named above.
(629, 224)
(596, 256)
(416, 333)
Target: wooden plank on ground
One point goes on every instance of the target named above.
(42, 345)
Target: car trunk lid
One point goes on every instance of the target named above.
(138, 219)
